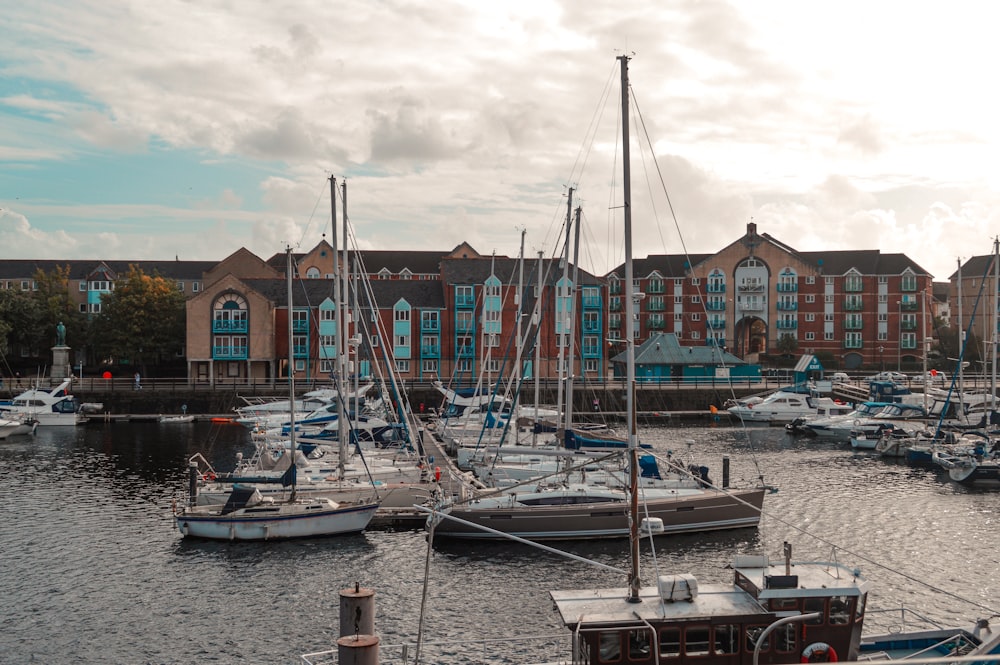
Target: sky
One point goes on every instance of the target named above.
(192, 128)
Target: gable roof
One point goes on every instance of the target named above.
(665, 349)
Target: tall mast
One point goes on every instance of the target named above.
(536, 322)
(570, 314)
(993, 332)
(633, 436)
(961, 337)
(291, 372)
(340, 304)
(563, 420)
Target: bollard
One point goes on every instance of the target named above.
(358, 644)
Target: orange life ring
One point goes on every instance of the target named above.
(819, 652)
(209, 477)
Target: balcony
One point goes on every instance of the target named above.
(717, 323)
(591, 351)
(591, 302)
(787, 324)
(229, 352)
(300, 326)
(787, 287)
(656, 307)
(430, 326)
(430, 351)
(853, 305)
(655, 287)
(716, 305)
(907, 325)
(464, 301)
(908, 306)
(223, 326)
(615, 289)
(465, 327)
(716, 287)
(909, 343)
(591, 327)
(787, 306)
(616, 305)
(466, 352)
(655, 324)
(614, 324)
(751, 287)
(852, 343)
(853, 286)
(752, 306)
(300, 351)
(853, 324)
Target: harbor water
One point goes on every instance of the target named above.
(93, 570)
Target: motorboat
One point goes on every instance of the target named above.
(786, 405)
(55, 407)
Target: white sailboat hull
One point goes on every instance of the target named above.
(274, 521)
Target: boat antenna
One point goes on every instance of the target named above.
(633, 437)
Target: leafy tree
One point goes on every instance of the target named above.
(52, 293)
(787, 344)
(141, 321)
(22, 320)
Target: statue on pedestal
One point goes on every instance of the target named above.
(60, 334)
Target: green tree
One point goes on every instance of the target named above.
(22, 321)
(52, 293)
(787, 344)
(142, 321)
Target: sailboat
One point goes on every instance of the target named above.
(248, 515)
(586, 511)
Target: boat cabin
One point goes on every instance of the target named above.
(680, 621)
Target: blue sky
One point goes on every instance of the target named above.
(148, 130)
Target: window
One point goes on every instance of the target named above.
(840, 610)
(638, 644)
(670, 643)
(326, 366)
(695, 334)
(83, 307)
(591, 366)
(695, 316)
(810, 317)
(810, 279)
(429, 366)
(300, 365)
(403, 366)
(753, 634)
(696, 640)
(326, 314)
(695, 300)
(810, 336)
(810, 297)
(402, 340)
(180, 286)
(95, 308)
(726, 639)
(493, 366)
(83, 286)
(327, 340)
(491, 341)
(609, 646)
(695, 281)
(195, 287)
(402, 315)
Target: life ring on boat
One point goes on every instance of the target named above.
(209, 477)
(819, 652)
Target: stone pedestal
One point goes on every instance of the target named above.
(61, 367)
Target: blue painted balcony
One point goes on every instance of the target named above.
(716, 287)
(465, 301)
(430, 351)
(591, 302)
(787, 287)
(717, 323)
(430, 326)
(591, 327)
(300, 351)
(787, 324)
(787, 306)
(715, 305)
(300, 326)
(227, 352)
(224, 326)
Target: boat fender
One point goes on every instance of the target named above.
(819, 652)
(208, 477)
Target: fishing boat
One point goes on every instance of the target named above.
(248, 515)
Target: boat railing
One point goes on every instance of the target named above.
(540, 649)
(897, 620)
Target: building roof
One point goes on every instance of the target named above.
(666, 349)
(477, 271)
(81, 269)
(311, 292)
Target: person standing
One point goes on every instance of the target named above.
(138, 385)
